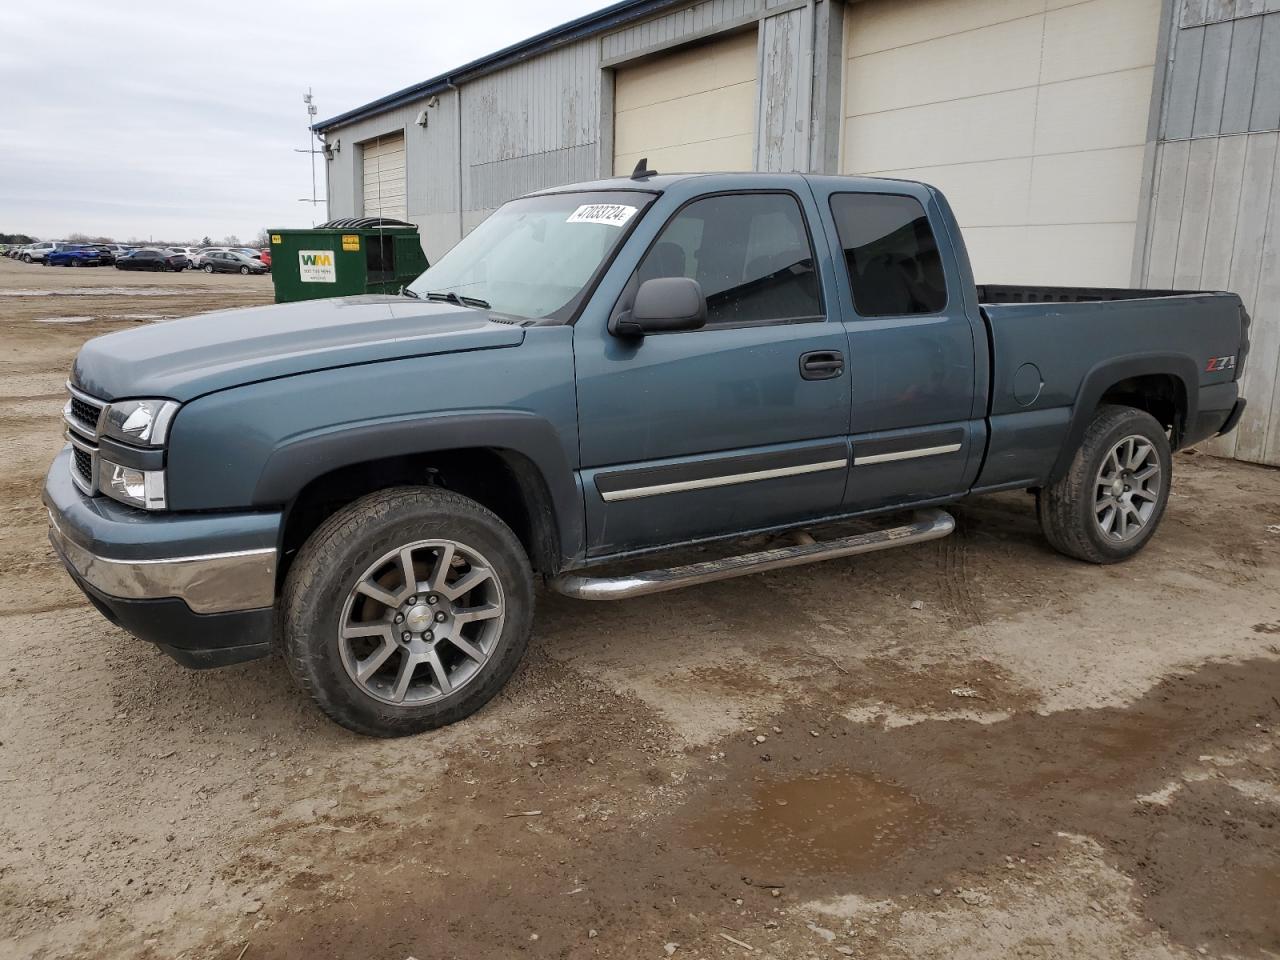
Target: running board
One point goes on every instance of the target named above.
(925, 525)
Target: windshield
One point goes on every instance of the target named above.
(535, 257)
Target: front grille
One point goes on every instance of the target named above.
(82, 414)
(83, 464)
(85, 413)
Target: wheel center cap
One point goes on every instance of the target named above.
(419, 618)
(1117, 488)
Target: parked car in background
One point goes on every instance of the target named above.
(189, 252)
(265, 255)
(75, 255)
(36, 252)
(198, 260)
(150, 259)
(231, 261)
(106, 255)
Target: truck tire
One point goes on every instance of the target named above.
(1110, 501)
(388, 653)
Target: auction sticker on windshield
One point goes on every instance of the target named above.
(615, 214)
(316, 266)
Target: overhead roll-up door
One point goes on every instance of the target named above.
(692, 109)
(384, 177)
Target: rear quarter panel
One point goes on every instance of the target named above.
(1078, 351)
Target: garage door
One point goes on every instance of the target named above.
(1032, 120)
(693, 109)
(384, 192)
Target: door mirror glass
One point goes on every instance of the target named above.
(663, 305)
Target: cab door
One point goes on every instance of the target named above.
(736, 426)
(917, 426)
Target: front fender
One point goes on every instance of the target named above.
(296, 463)
(255, 446)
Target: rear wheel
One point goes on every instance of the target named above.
(407, 610)
(1111, 499)
(244, 271)
(208, 268)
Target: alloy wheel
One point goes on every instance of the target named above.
(1127, 488)
(421, 622)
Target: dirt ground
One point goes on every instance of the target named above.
(1039, 759)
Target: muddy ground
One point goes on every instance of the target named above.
(1045, 759)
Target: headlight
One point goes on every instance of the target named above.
(144, 422)
(138, 488)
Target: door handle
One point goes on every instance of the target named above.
(822, 365)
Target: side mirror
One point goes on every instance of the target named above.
(663, 305)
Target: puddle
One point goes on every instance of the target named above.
(819, 823)
(63, 319)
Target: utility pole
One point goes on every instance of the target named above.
(311, 149)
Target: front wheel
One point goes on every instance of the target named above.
(1108, 504)
(208, 268)
(407, 610)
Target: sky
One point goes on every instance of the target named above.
(146, 120)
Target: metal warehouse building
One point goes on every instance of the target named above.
(1088, 142)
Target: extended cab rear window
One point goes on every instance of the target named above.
(891, 255)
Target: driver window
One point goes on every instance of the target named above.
(750, 253)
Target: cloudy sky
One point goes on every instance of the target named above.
(173, 121)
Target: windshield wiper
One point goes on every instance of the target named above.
(406, 292)
(450, 297)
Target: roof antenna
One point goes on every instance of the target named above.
(642, 171)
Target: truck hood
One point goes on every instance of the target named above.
(183, 359)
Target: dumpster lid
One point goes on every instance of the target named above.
(362, 223)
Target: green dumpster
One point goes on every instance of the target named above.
(345, 257)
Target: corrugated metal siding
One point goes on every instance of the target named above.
(535, 124)
(676, 27)
(1215, 212)
(786, 84)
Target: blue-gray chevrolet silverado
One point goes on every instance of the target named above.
(598, 373)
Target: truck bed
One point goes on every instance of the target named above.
(1015, 293)
(1064, 339)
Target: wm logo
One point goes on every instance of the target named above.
(316, 260)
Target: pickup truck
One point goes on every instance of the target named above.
(600, 373)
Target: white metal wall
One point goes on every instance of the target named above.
(691, 109)
(431, 161)
(1031, 115)
(1214, 220)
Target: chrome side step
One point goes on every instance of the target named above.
(926, 525)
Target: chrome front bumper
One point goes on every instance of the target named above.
(208, 583)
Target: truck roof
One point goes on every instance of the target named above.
(661, 181)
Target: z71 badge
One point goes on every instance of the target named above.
(1217, 364)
